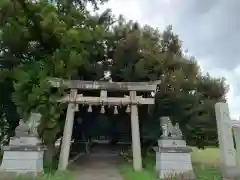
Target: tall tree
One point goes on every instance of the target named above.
(42, 39)
(63, 39)
(185, 94)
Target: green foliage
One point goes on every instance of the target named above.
(4, 128)
(46, 41)
(63, 39)
(8, 114)
(187, 96)
(33, 94)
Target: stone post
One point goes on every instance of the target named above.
(67, 134)
(227, 151)
(236, 130)
(136, 144)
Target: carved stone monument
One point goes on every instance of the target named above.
(172, 155)
(24, 154)
(227, 152)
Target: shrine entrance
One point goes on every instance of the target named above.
(130, 100)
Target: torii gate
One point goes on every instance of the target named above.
(133, 101)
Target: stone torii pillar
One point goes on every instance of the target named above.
(136, 144)
(67, 133)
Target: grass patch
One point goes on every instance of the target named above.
(57, 176)
(129, 174)
(206, 172)
(66, 175)
(147, 174)
(208, 156)
(205, 164)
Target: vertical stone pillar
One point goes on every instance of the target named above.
(227, 151)
(136, 144)
(236, 130)
(67, 133)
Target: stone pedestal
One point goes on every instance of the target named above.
(25, 141)
(173, 159)
(23, 155)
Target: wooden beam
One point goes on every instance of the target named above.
(107, 100)
(102, 85)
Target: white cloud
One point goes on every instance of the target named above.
(232, 97)
(208, 28)
(130, 9)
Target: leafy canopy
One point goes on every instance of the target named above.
(63, 39)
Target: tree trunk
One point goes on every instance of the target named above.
(49, 156)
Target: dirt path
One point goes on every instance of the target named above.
(100, 165)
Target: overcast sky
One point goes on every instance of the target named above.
(210, 30)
